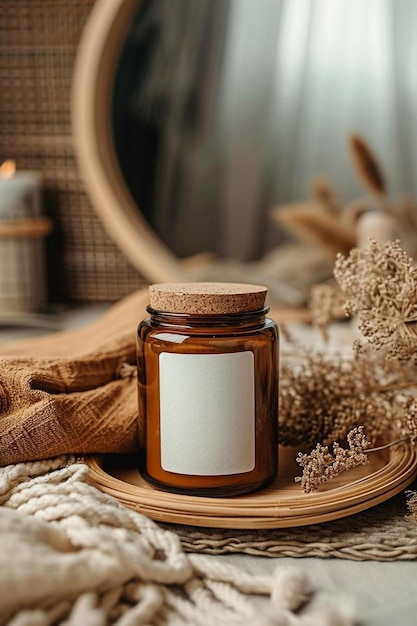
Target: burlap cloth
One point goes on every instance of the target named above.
(66, 393)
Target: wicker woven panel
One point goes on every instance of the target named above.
(383, 533)
(38, 43)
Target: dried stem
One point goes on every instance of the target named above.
(367, 166)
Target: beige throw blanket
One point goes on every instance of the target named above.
(72, 556)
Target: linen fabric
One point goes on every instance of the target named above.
(67, 392)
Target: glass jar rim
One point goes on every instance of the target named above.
(210, 317)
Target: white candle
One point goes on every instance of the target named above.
(20, 193)
(22, 228)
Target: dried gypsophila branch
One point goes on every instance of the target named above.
(326, 304)
(369, 450)
(324, 396)
(321, 465)
(412, 504)
(408, 421)
(379, 284)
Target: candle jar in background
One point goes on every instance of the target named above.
(22, 229)
(208, 389)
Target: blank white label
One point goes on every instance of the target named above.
(207, 413)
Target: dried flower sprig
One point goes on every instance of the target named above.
(325, 397)
(412, 504)
(326, 305)
(315, 225)
(322, 465)
(379, 284)
(408, 421)
(322, 397)
(367, 166)
(322, 192)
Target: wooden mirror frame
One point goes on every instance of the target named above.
(95, 66)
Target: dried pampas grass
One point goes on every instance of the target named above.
(313, 224)
(367, 167)
(323, 193)
(326, 222)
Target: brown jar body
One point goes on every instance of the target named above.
(245, 350)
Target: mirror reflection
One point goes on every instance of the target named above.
(224, 110)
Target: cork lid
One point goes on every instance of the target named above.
(207, 298)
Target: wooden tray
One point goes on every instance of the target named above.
(282, 505)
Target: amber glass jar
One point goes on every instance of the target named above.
(208, 388)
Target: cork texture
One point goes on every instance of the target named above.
(207, 298)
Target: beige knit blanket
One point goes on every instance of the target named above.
(72, 556)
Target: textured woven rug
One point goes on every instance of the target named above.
(382, 533)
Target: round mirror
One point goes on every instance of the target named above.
(195, 119)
